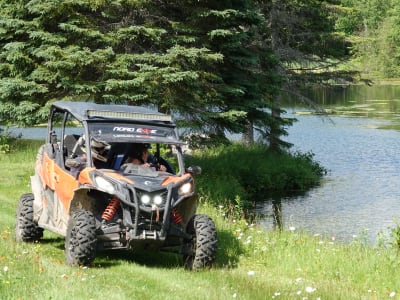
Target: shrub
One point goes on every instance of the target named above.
(7, 140)
(235, 170)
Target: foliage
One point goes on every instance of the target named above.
(247, 78)
(24, 114)
(395, 234)
(373, 27)
(239, 175)
(304, 37)
(203, 59)
(7, 140)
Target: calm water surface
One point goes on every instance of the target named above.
(361, 192)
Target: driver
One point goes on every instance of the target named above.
(141, 156)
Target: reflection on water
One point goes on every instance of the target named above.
(360, 100)
(361, 191)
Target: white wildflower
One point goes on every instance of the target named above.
(310, 289)
(250, 273)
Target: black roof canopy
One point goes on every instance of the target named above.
(85, 111)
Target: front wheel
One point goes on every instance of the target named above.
(80, 242)
(26, 229)
(203, 246)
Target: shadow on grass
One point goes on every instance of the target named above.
(57, 242)
(228, 253)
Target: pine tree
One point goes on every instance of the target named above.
(202, 59)
(238, 91)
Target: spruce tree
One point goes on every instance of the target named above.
(202, 59)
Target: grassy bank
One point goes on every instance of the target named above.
(239, 172)
(251, 264)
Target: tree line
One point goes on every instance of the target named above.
(373, 28)
(220, 66)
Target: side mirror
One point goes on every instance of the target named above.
(195, 170)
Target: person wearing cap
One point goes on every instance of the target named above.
(98, 152)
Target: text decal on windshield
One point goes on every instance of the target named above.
(135, 130)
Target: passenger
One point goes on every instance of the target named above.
(98, 152)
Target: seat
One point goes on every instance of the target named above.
(69, 144)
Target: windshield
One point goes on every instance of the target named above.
(125, 133)
(126, 142)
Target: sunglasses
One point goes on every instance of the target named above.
(98, 148)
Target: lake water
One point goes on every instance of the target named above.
(360, 196)
(361, 190)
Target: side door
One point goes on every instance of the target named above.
(59, 184)
(50, 151)
(65, 182)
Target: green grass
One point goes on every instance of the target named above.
(252, 263)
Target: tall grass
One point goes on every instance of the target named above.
(252, 263)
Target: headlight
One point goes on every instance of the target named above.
(104, 185)
(185, 188)
(145, 199)
(157, 200)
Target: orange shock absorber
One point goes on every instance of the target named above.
(176, 216)
(111, 209)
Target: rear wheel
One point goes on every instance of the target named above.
(80, 242)
(26, 229)
(202, 249)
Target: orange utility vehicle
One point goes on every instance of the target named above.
(83, 188)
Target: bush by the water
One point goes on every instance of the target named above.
(237, 171)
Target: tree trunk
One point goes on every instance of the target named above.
(275, 110)
(248, 134)
(274, 132)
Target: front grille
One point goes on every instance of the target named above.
(156, 199)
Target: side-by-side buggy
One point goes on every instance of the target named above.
(84, 189)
